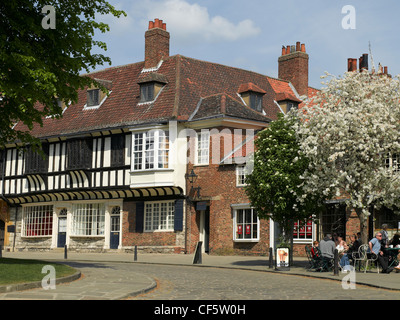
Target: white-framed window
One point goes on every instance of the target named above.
(393, 161)
(150, 150)
(203, 147)
(246, 225)
(241, 175)
(88, 219)
(37, 221)
(303, 230)
(93, 97)
(159, 216)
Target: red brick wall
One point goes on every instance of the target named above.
(132, 238)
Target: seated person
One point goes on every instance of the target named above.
(327, 247)
(375, 246)
(315, 250)
(395, 241)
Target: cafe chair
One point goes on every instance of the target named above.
(360, 256)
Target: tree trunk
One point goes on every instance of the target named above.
(363, 225)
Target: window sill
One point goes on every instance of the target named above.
(87, 236)
(36, 237)
(151, 170)
(246, 240)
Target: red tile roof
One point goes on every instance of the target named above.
(186, 81)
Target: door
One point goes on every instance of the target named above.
(205, 229)
(2, 231)
(62, 228)
(115, 228)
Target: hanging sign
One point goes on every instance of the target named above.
(240, 230)
(248, 229)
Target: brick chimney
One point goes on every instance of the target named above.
(156, 43)
(293, 67)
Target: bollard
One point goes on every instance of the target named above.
(271, 258)
(135, 254)
(65, 252)
(336, 263)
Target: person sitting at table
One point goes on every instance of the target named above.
(327, 247)
(342, 251)
(375, 247)
(395, 240)
(353, 249)
(314, 250)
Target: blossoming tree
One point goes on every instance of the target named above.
(350, 132)
(275, 180)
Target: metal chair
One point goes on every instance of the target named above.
(360, 256)
(372, 257)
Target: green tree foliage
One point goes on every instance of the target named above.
(275, 183)
(40, 66)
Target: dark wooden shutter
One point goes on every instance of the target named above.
(178, 216)
(139, 216)
(35, 162)
(79, 153)
(117, 150)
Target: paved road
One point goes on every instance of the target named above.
(117, 280)
(180, 282)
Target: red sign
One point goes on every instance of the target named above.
(248, 229)
(239, 229)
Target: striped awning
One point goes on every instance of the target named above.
(140, 194)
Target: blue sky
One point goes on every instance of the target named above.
(250, 34)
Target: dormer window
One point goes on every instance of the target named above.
(93, 97)
(147, 92)
(256, 101)
(287, 101)
(252, 96)
(151, 85)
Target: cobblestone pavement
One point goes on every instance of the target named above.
(174, 277)
(180, 282)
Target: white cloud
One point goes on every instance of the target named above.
(185, 21)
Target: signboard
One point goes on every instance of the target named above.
(282, 259)
(11, 228)
(201, 206)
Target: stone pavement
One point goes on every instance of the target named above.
(101, 281)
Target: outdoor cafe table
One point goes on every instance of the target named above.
(393, 252)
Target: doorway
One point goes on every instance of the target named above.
(115, 227)
(62, 228)
(204, 230)
(2, 232)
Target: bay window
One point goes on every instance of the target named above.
(150, 150)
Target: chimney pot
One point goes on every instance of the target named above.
(287, 49)
(303, 47)
(298, 47)
(385, 70)
(283, 50)
(156, 43)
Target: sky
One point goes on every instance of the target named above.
(250, 34)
